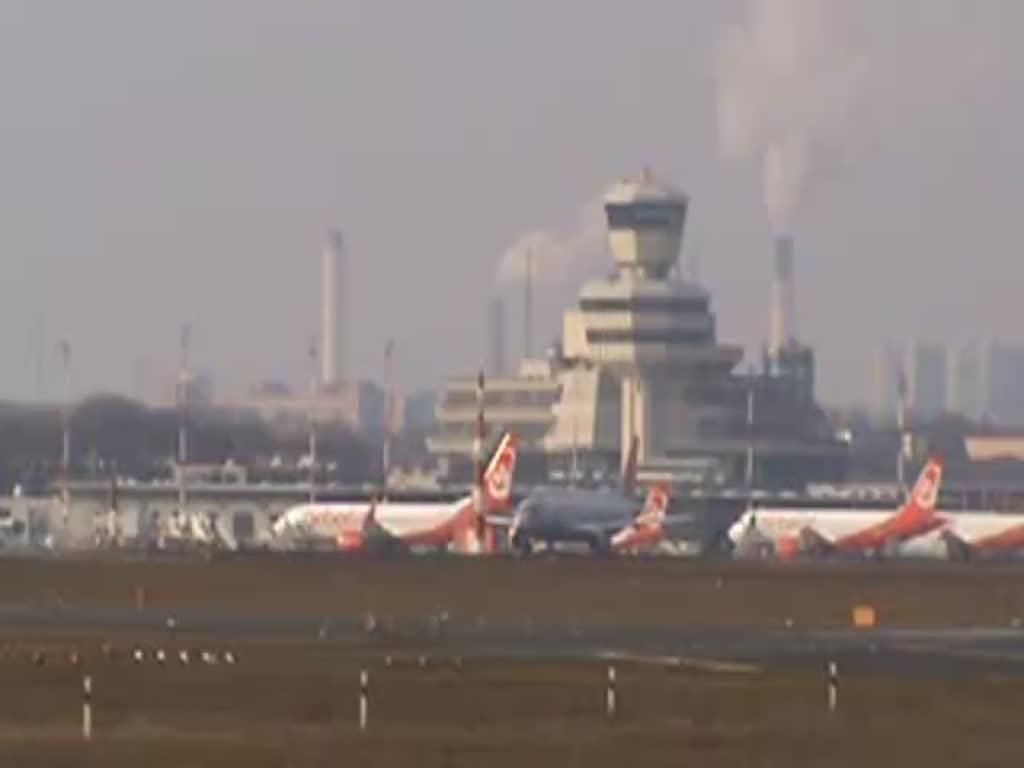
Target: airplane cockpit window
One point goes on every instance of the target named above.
(528, 509)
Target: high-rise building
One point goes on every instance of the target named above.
(964, 394)
(924, 366)
(1002, 383)
(420, 410)
(886, 368)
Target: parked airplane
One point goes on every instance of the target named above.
(787, 533)
(365, 524)
(970, 535)
(604, 521)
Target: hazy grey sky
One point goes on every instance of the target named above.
(163, 162)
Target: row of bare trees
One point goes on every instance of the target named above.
(114, 434)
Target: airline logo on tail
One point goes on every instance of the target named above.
(915, 518)
(646, 528)
(498, 476)
(655, 507)
(470, 531)
(925, 494)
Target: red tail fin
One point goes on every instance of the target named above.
(925, 493)
(652, 513)
(646, 528)
(498, 475)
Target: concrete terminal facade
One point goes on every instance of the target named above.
(639, 355)
(652, 331)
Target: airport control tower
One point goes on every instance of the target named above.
(654, 331)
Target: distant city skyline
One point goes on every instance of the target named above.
(183, 162)
(980, 382)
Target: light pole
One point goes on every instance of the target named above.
(314, 390)
(528, 306)
(479, 532)
(389, 415)
(183, 422)
(65, 418)
(750, 439)
(901, 421)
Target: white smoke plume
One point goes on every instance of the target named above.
(806, 87)
(552, 254)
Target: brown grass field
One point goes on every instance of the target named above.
(292, 702)
(292, 705)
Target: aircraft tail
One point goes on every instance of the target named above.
(652, 513)
(924, 496)
(497, 479)
(473, 533)
(647, 526)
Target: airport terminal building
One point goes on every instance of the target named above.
(640, 355)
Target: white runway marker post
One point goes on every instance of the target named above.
(610, 694)
(364, 699)
(87, 708)
(832, 681)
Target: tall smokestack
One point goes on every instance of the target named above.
(334, 282)
(528, 307)
(497, 336)
(783, 327)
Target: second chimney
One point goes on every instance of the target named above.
(783, 329)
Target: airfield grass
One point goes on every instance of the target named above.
(291, 702)
(289, 705)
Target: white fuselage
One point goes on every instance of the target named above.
(333, 521)
(974, 527)
(777, 524)
(999, 531)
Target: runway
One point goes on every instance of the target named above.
(933, 651)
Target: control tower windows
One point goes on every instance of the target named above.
(675, 304)
(639, 216)
(647, 336)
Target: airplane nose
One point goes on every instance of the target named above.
(517, 523)
(522, 514)
(736, 531)
(520, 517)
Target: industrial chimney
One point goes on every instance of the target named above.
(783, 329)
(496, 320)
(335, 309)
(528, 307)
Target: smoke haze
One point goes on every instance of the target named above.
(552, 254)
(166, 163)
(806, 87)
